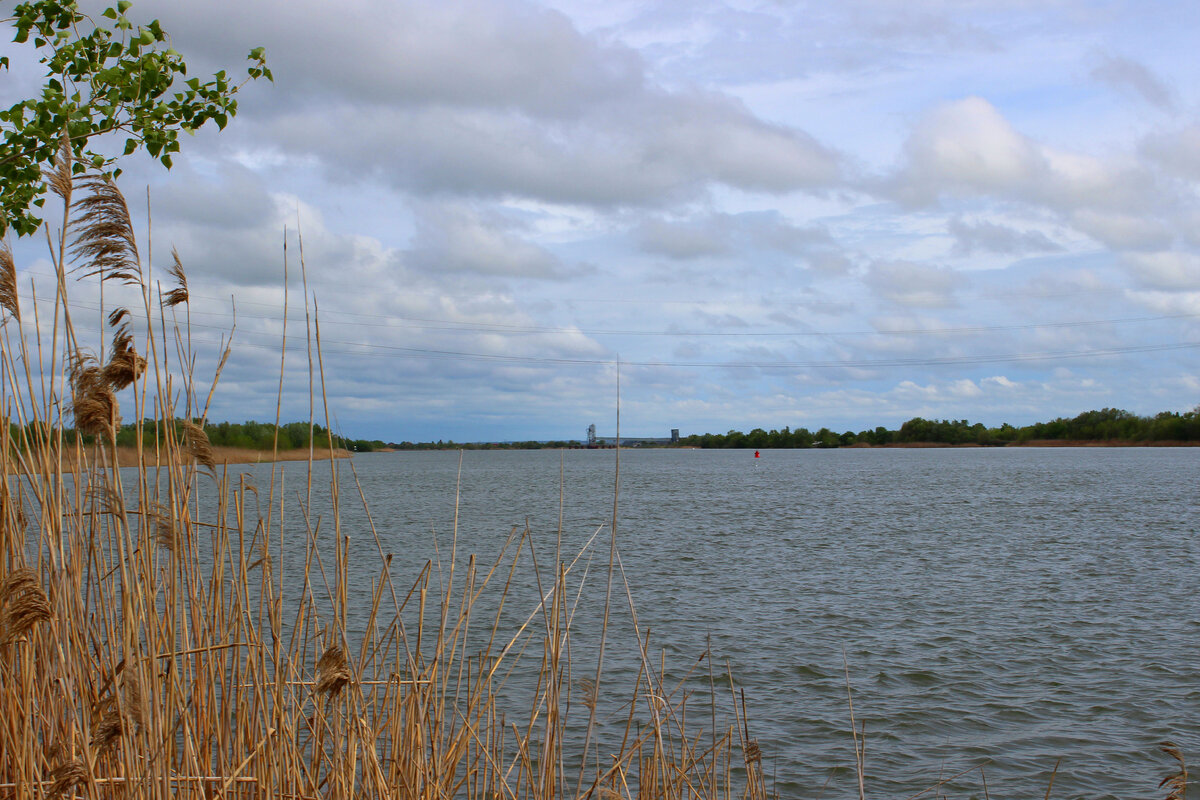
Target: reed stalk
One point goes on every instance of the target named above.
(152, 645)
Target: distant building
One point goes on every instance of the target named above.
(674, 435)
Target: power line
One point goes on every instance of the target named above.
(454, 326)
(999, 358)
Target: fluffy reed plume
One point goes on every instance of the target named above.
(333, 671)
(425, 712)
(93, 402)
(197, 444)
(106, 497)
(66, 777)
(12, 511)
(180, 293)
(8, 281)
(24, 602)
(124, 365)
(166, 534)
(104, 241)
(587, 692)
(108, 730)
(59, 177)
(134, 699)
(1176, 782)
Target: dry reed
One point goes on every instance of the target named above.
(23, 601)
(163, 652)
(179, 294)
(8, 282)
(1176, 782)
(152, 646)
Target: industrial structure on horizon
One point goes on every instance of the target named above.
(595, 441)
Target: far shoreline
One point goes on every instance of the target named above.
(1030, 443)
(487, 446)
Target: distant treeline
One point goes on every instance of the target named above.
(249, 435)
(1106, 425)
(293, 435)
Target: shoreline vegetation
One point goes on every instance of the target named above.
(187, 631)
(1109, 427)
(254, 442)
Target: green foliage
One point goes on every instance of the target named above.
(103, 78)
(1106, 425)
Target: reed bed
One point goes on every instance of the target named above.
(151, 644)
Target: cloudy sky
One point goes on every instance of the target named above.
(770, 213)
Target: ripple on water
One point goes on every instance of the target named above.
(997, 609)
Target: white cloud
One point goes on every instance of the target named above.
(1133, 77)
(914, 285)
(964, 387)
(1177, 151)
(1123, 231)
(967, 145)
(714, 234)
(480, 181)
(989, 237)
(968, 149)
(1170, 269)
(461, 239)
(681, 240)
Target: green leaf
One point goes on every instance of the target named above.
(119, 84)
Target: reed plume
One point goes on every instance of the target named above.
(333, 671)
(196, 443)
(180, 293)
(93, 402)
(162, 523)
(12, 505)
(104, 240)
(124, 364)
(108, 729)
(59, 177)
(66, 778)
(1176, 782)
(24, 602)
(241, 710)
(8, 281)
(107, 498)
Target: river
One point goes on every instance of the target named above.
(996, 610)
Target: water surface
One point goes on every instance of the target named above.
(996, 608)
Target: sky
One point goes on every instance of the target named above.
(719, 215)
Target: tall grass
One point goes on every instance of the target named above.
(151, 644)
